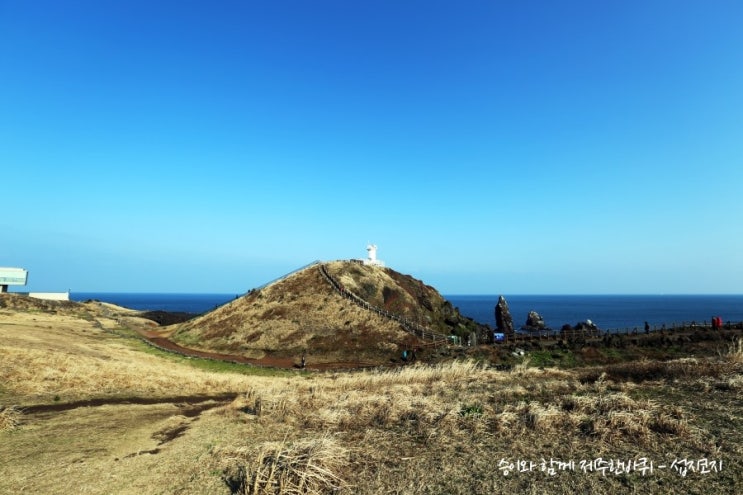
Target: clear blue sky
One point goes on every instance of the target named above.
(486, 147)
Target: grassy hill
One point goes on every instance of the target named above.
(305, 313)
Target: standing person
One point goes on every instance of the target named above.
(647, 327)
(304, 362)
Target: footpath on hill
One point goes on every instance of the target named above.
(157, 340)
(692, 340)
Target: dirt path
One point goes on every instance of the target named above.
(191, 404)
(269, 362)
(689, 337)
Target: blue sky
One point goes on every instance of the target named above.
(486, 147)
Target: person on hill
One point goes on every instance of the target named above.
(647, 327)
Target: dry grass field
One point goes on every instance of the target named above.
(86, 408)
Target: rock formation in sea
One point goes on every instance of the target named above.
(503, 319)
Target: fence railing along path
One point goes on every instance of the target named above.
(287, 275)
(409, 326)
(668, 329)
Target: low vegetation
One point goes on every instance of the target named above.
(85, 409)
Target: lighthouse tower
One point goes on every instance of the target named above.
(372, 259)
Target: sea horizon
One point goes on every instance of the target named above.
(608, 311)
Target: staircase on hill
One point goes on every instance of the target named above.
(409, 326)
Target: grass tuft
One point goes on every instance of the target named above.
(10, 418)
(735, 352)
(309, 466)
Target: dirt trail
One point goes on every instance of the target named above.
(269, 362)
(193, 404)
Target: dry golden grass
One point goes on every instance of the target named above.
(439, 399)
(72, 359)
(10, 418)
(419, 429)
(306, 466)
(43, 373)
(735, 352)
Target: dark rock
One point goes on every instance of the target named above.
(503, 319)
(452, 320)
(534, 321)
(583, 329)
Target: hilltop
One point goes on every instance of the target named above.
(340, 311)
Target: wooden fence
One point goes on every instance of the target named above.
(573, 334)
(409, 326)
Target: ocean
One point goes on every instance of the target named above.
(171, 302)
(609, 312)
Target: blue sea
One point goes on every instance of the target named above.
(146, 301)
(609, 312)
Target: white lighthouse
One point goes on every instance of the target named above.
(372, 258)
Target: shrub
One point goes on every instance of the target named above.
(471, 410)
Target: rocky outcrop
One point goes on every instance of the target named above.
(581, 329)
(503, 319)
(534, 321)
